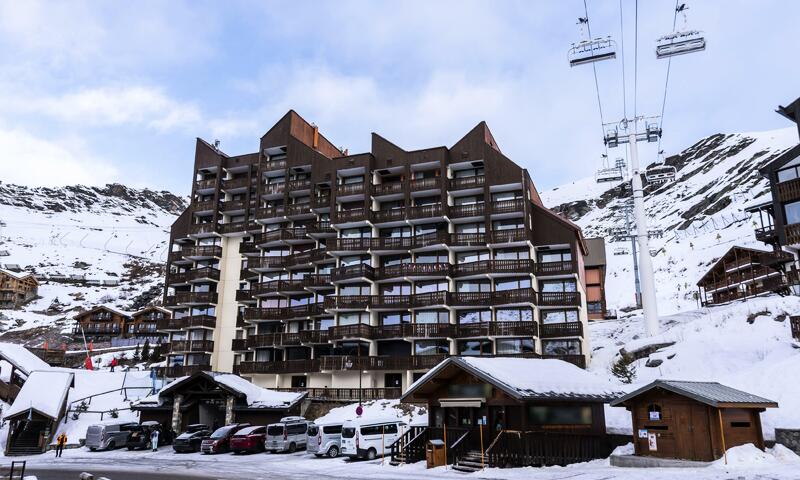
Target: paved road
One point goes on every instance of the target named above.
(71, 473)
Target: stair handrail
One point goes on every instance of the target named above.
(120, 389)
(502, 433)
(457, 448)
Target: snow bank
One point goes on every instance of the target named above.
(749, 456)
(258, 397)
(377, 410)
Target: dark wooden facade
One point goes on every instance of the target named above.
(477, 413)
(102, 322)
(16, 289)
(595, 275)
(742, 273)
(669, 423)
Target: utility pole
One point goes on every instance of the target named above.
(648, 284)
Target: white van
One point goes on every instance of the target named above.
(288, 435)
(324, 439)
(369, 439)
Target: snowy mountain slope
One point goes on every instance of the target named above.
(101, 233)
(701, 213)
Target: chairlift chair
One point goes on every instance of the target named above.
(660, 174)
(653, 132)
(608, 175)
(590, 51)
(680, 43)
(620, 164)
(620, 251)
(612, 138)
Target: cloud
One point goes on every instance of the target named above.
(29, 160)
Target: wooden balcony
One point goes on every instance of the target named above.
(206, 206)
(414, 270)
(792, 233)
(320, 229)
(351, 272)
(194, 321)
(468, 239)
(789, 191)
(543, 269)
(287, 366)
(317, 281)
(343, 332)
(232, 206)
(199, 274)
(557, 299)
(462, 211)
(202, 228)
(236, 183)
(273, 188)
(425, 184)
(481, 267)
(353, 302)
(248, 248)
(175, 371)
(351, 216)
(254, 314)
(254, 263)
(508, 206)
(239, 344)
(347, 394)
(566, 329)
(300, 184)
(426, 211)
(201, 252)
(277, 286)
(321, 201)
(349, 189)
(267, 165)
(467, 182)
(313, 336)
(391, 215)
(206, 184)
(508, 236)
(350, 244)
(196, 298)
(275, 211)
(280, 235)
(496, 329)
(387, 188)
(191, 346)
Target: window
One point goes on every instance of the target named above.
(390, 260)
(351, 180)
(395, 318)
(432, 257)
(512, 283)
(508, 224)
(396, 288)
(512, 254)
(792, 212)
(515, 345)
(428, 287)
(469, 257)
(468, 200)
(546, 256)
(788, 173)
(364, 232)
(559, 316)
(464, 286)
(433, 316)
(561, 347)
(561, 415)
(471, 228)
(396, 232)
(504, 196)
(298, 381)
(514, 315)
(353, 318)
(475, 347)
(431, 347)
(393, 380)
(421, 201)
(355, 289)
(558, 286)
(474, 316)
(594, 307)
(332, 430)
(420, 174)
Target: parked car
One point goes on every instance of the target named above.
(140, 436)
(219, 441)
(108, 436)
(288, 435)
(325, 439)
(191, 438)
(369, 439)
(250, 439)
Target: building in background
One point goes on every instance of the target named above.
(594, 266)
(17, 288)
(742, 273)
(301, 266)
(106, 323)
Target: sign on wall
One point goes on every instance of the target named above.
(655, 416)
(652, 443)
(642, 433)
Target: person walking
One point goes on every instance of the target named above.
(61, 440)
(113, 363)
(154, 439)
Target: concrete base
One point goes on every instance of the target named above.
(633, 461)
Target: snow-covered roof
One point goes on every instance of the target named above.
(711, 393)
(21, 358)
(530, 378)
(104, 307)
(17, 275)
(255, 396)
(45, 392)
(151, 307)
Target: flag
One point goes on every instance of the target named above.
(45, 345)
(88, 363)
(91, 345)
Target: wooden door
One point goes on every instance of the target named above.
(701, 434)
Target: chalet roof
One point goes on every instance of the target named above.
(253, 395)
(21, 358)
(790, 111)
(726, 256)
(527, 378)
(44, 392)
(17, 275)
(596, 255)
(149, 308)
(104, 307)
(711, 393)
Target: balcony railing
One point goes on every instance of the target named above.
(272, 211)
(265, 262)
(208, 205)
(391, 215)
(347, 394)
(174, 371)
(350, 244)
(347, 302)
(494, 266)
(789, 191)
(273, 165)
(426, 211)
(288, 366)
(283, 313)
(233, 183)
(196, 297)
(349, 189)
(317, 280)
(321, 201)
(415, 270)
(201, 251)
(792, 232)
(194, 321)
(795, 326)
(352, 215)
(273, 188)
(320, 228)
(202, 228)
(554, 268)
(232, 205)
(191, 346)
(352, 271)
(467, 182)
(557, 299)
(473, 210)
(281, 234)
(387, 188)
(300, 184)
(511, 235)
(342, 332)
(508, 206)
(567, 329)
(277, 286)
(425, 184)
(206, 184)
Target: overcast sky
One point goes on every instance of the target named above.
(117, 91)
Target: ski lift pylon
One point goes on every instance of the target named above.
(591, 51)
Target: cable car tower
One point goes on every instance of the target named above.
(680, 42)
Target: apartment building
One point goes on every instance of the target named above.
(301, 266)
(17, 288)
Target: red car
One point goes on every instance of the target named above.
(250, 439)
(219, 441)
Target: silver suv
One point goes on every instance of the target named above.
(108, 436)
(288, 435)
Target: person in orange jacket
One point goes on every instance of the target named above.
(61, 440)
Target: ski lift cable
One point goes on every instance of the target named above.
(594, 70)
(666, 81)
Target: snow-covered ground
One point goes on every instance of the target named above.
(378, 410)
(701, 214)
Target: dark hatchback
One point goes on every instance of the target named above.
(140, 436)
(220, 440)
(191, 439)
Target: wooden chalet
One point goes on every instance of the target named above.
(16, 289)
(16, 365)
(742, 273)
(144, 323)
(216, 399)
(693, 420)
(509, 412)
(103, 322)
